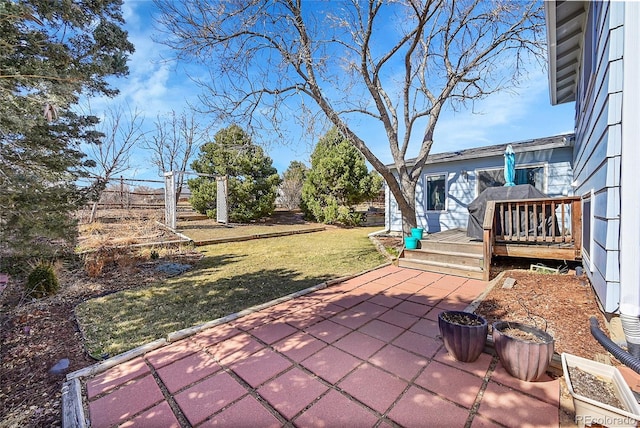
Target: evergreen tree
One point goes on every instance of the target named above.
(338, 180)
(253, 181)
(51, 54)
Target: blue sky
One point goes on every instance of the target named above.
(155, 86)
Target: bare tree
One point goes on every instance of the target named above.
(360, 64)
(121, 133)
(174, 143)
(290, 190)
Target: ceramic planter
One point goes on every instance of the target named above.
(523, 359)
(463, 342)
(590, 411)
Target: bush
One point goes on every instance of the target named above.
(326, 209)
(42, 281)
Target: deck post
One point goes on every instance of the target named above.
(487, 238)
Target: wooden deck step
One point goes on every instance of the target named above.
(439, 267)
(455, 247)
(444, 255)
(451, 252)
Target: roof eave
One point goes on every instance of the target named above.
(555, 142)
(565, 22)
(550, 18)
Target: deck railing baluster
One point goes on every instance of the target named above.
(501, 219)
(535, 222)
(554, 225)
(544, 221)
(517, 221)
(564, 227)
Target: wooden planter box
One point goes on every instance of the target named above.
(589, 411)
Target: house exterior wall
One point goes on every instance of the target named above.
(462, 186)
(597, 150)
(629, 177)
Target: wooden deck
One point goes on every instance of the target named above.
(547, 229)
(451, 236)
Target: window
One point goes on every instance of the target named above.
(524, 175)
(436, 192)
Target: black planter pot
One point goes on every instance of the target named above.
(463, 342)
(523, 359)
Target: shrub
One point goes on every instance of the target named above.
(337, 181)
(42, 281)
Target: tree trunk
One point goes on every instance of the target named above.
(408, 221)
(179, 184)
(405, 195)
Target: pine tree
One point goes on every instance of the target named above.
(51, 54)
(338, 180)
(253, 181)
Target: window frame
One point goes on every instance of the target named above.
(445, 177)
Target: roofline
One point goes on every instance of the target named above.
(546, 143)
(550, 17)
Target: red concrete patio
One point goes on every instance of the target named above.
(361, 353)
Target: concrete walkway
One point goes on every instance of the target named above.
(362, 353)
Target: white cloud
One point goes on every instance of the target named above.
(129, 13)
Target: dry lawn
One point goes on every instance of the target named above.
(230, 277)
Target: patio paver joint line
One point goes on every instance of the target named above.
(168, 397)
(485, 382)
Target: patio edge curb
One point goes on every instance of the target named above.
(72, 410)
(490, 284)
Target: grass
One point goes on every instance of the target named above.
(202, 230)
(229, 278)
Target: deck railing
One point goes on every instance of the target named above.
(552, 223)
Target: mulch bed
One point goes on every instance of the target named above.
(37, 334)
(560, 304)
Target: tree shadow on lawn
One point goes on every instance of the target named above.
(121, 321)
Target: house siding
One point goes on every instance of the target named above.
(597, 148)
(463, 190)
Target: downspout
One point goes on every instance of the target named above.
(629, 239)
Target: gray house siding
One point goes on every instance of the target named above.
(597, 150)
(462, 170)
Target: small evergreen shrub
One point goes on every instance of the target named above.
(42, 281)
